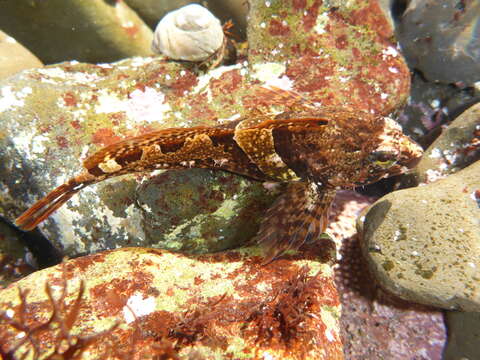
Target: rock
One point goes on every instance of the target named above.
(431, 106)
(151, 11)
(457, 147)
(441, 39)
(83, 30)
(218, 208)
(374, 325)
(137, 302)
(14, 57)
(422, 244)
(322, 47)
(54, 117)
(464, 335)
(16, 261)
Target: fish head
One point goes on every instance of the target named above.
(394, 154)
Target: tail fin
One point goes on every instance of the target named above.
(44, 207)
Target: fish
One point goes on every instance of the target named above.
(317, 151)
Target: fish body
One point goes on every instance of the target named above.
(317, 152)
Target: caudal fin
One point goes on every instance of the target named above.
(44, 207)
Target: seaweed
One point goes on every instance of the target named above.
(59, 325)
(280, 321)
(198, 325)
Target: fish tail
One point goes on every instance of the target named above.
(44, 207)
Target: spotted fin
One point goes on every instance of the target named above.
(298, 216)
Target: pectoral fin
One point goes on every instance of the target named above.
(298, 216)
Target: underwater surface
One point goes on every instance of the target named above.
(293, 179)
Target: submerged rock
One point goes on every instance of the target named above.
(422, 244)
(82, 30)
(432, 106)
(145, 302)
(151, 11)
(442, 40)
(463, 335)
(457, 147)
(376, 325)
(14, 57)
(16, 260)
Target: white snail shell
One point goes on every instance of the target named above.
(190, 33)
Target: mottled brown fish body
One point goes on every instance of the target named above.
(317, 153)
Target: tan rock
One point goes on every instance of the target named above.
(14, 57)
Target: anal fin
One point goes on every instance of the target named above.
(296, 217)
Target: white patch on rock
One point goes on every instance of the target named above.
(322, 21)
(56, 75)
(9, 98)
(433, 175)
(138, 306)
(390, 51)
(139, 61)
(37, 144)
(109, 102)
(436, 153)
(272, 74)
(148, 105)
(29, 144)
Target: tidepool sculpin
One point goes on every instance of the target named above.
(317, 151)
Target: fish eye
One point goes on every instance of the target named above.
(382, 159)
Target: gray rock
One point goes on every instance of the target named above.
(376, 325)
(151, 11)
(422, 244)
(442, 39)
(457, 147)
(83, 30)
(53, 116)
(432, 105)
(14, 57)
(464, 336)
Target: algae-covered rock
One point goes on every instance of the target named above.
(339, 52)
(82, 30)
(423, 244)
(14, 57)
(147, 303)
(54, 117)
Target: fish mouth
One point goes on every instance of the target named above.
(410, 154)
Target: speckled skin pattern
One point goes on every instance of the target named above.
(319, 151)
